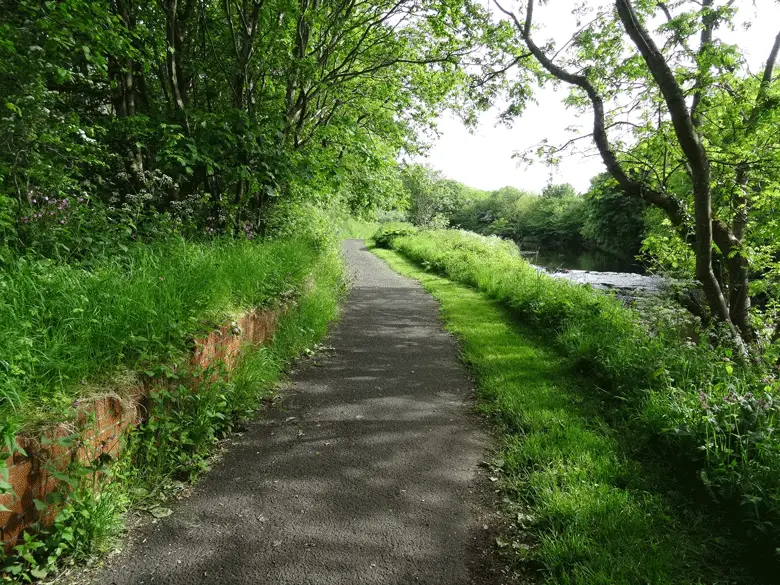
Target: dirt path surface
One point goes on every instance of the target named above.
(375, 480)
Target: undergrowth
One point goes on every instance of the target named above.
(691, 403)
(173, 443)
(584, 508)
(65, 329)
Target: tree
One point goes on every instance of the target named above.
(432, 198)
(700, 146)
(205, 111)
(613, 220)
(559, 191)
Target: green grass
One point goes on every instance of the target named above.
(690, 403)
(599, 514)
(354, 228)
(65, 331)
(180, 432)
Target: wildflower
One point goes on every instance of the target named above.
(25, 219)
(75, 404)
(703, 400)
(62, 221)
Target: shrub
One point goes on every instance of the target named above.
(385, 235)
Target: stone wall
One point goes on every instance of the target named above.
(102, 422)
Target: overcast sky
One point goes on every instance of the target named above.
(484, 159)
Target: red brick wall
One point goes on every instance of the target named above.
(101, 423)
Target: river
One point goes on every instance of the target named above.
(592, 260)
(598, 269)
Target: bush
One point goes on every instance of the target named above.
(717, 414)
(385, 235)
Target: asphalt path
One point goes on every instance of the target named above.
(368, 474)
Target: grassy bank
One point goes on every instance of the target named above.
(65, 330)
(173, 444)
(599, 515)
(692, 405)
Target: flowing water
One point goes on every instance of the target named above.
(598, 269)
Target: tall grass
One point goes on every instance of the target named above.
(63, 328)
(182, 426)
(599, 515)
(690, 401)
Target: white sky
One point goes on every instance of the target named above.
(484, 159)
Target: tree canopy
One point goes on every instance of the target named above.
(681, 123)
(206, 111)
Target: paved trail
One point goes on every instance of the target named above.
(375, 480)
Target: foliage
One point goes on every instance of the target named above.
(351, 228)
(669, 382)
(387, 232)
(570, 475)
(431, 197)
(204, 112)
(63, 326)
(559, 191)
(682, 124)
(613, 220)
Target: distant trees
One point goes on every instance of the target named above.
(430, 197)
(559, 218)
(613, 220)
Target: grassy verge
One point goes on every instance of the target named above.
(65, 330)
(354, 228)
(173, 445)
(599, 515)
(691, 404)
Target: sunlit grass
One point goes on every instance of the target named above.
(64, 329)
(600, 516)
